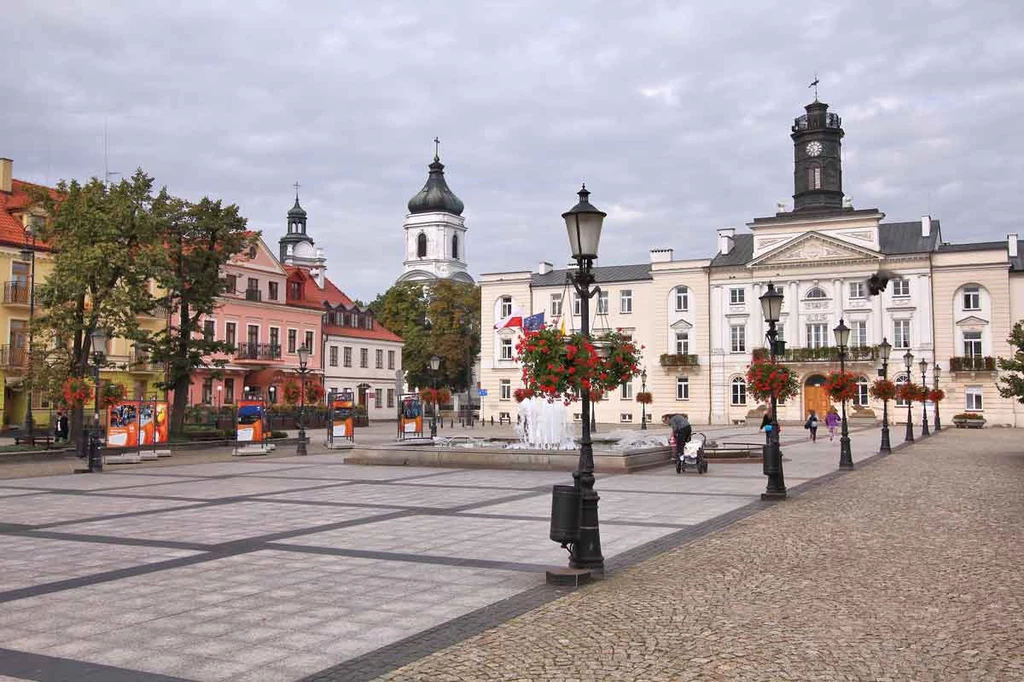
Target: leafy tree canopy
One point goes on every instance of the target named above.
(1011, 385)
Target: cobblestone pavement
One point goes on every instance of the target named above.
(909, 569)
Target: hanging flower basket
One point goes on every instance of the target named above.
(911, 392)
(767, 378)
(428, 395)
(112, 394)
(644, 398)
(314, 393)
(76, 391)
(883, 389)
(292, 392)
(444, 396)
(841, 386)
(936, 395)
(596, 395)
(563, 367)
(521, 394)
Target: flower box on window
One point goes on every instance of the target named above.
(678, 360)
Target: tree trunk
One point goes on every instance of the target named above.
(177, 424)
(76, 431)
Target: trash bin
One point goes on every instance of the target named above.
(566, 503)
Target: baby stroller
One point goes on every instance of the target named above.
(692, 454)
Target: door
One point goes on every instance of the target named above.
(815, 397)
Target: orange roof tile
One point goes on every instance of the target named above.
(378, 333)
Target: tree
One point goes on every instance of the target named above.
(100, 237)
(1012, 385)
(198, 239)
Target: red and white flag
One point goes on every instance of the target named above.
(513, 320)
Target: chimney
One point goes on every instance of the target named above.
(544, 267)
(725, 236)
(661, 255)
(6, 175)
(1011, 244)
(926, 226)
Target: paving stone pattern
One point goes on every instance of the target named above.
(909, 569)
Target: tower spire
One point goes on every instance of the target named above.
(814, 84)
(437, 149)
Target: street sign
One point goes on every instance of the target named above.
(482, 392)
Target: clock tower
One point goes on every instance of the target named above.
(818, 168)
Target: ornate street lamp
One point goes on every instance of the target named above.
(885, 349)
(842, 334)
(771, 306)
(99, 345)
(924, 403)
(643, 406)
(303, 371)
(908, 360)
(935, 379)
(583, 223)
(435, 364)
(28, 252)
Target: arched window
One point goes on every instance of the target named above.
(421, 245)
(901, 378)
(816, 292)
(739, 391)
(861, 398)
(455, 246)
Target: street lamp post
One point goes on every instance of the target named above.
(924, 403)
(435, 364)
(771, 306)
(885, 348)
(935, 381)
(583, 224)
(29, 253)
(303, 353)
(842, 334)
(643, 406)
(908, 360)
(99, 344)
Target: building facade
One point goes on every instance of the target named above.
(951, 305)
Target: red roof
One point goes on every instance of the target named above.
(315, 296)
(12, 205)
(378, 333)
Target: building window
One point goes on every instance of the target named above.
(391, 359)
(626, 391)
(738, 338)
(683, 343)
(378, 358)
(272, 291)
(292, 336)
(378, 397)
(814, 178)
(626, 301)
(209, 330)
(253, 334)
(972, 344)
(505, 389)
(346, 356)
(856, 289)
(901, 287)
(972, 298)
(230, 333)
(816, 292)
(682, 388)
(682, 299)
(207, 391)
(310, 342)
(737, 296)
(334, 356)
(901, 378)
(506, 307)
(506, 349)
(275, 336)
(391, 397)
(455, 246)
(858, 334)
(625, 417)
(556, 305)
(862, 392)
(231, 284)
(973, 399)
(364, 357)
(576, 310)
(901, 333)
(817, 335)
(739, 391)
(602, 303)
(295, 290)
(229, 391)
(421, 245)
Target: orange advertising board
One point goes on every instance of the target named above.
(249, 428)
(127, 420)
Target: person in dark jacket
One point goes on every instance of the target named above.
(681, 430)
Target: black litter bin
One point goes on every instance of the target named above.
(566, 503)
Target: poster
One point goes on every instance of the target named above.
(410, 416)
(153, 422)
(250, 421)
(130, 420)
(341, 415)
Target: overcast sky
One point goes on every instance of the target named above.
(676, 114)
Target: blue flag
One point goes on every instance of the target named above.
(534, 323)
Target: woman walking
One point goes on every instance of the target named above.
(812, 426)
(832, 422)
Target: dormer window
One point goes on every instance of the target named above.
(421, 245)
(252, 252)
(294, 290)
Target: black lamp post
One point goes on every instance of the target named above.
(908, 360)
(935, 381)
(771, 306)
(29, 253)
(643, 406)
(435, 364)
(99, 344)
(303, 353)
(924, 403)
(885, 348)
(842, 333)
(583, 224)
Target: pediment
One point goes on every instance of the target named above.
(971, 321)
(681, 325)
(814, 248)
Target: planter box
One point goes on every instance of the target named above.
(969, 423)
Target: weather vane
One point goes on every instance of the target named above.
(814, 84)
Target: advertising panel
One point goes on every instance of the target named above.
(123, 424)
(341, 416)
(250, 421)
(410, 416)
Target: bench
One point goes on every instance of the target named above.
(32, 441)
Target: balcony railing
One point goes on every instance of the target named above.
(253, 295)
(678, 360)
(804, 122)
(972, 363)
(823, 354)
(16, 292)
(257, 351)
(13, 356)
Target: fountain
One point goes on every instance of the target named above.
(543, 425)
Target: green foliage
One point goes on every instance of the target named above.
(1012, 385)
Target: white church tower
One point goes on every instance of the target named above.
(435, 232)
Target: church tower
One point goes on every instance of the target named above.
(435, 231)
(297, 248)
(818, 169)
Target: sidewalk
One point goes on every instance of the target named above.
(907, 569)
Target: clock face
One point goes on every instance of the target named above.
(813, 148)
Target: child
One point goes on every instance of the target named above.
(832, 422)
(812, 426)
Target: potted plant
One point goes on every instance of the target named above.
(644, 398)
(969, 420)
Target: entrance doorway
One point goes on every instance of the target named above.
(815, 397)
